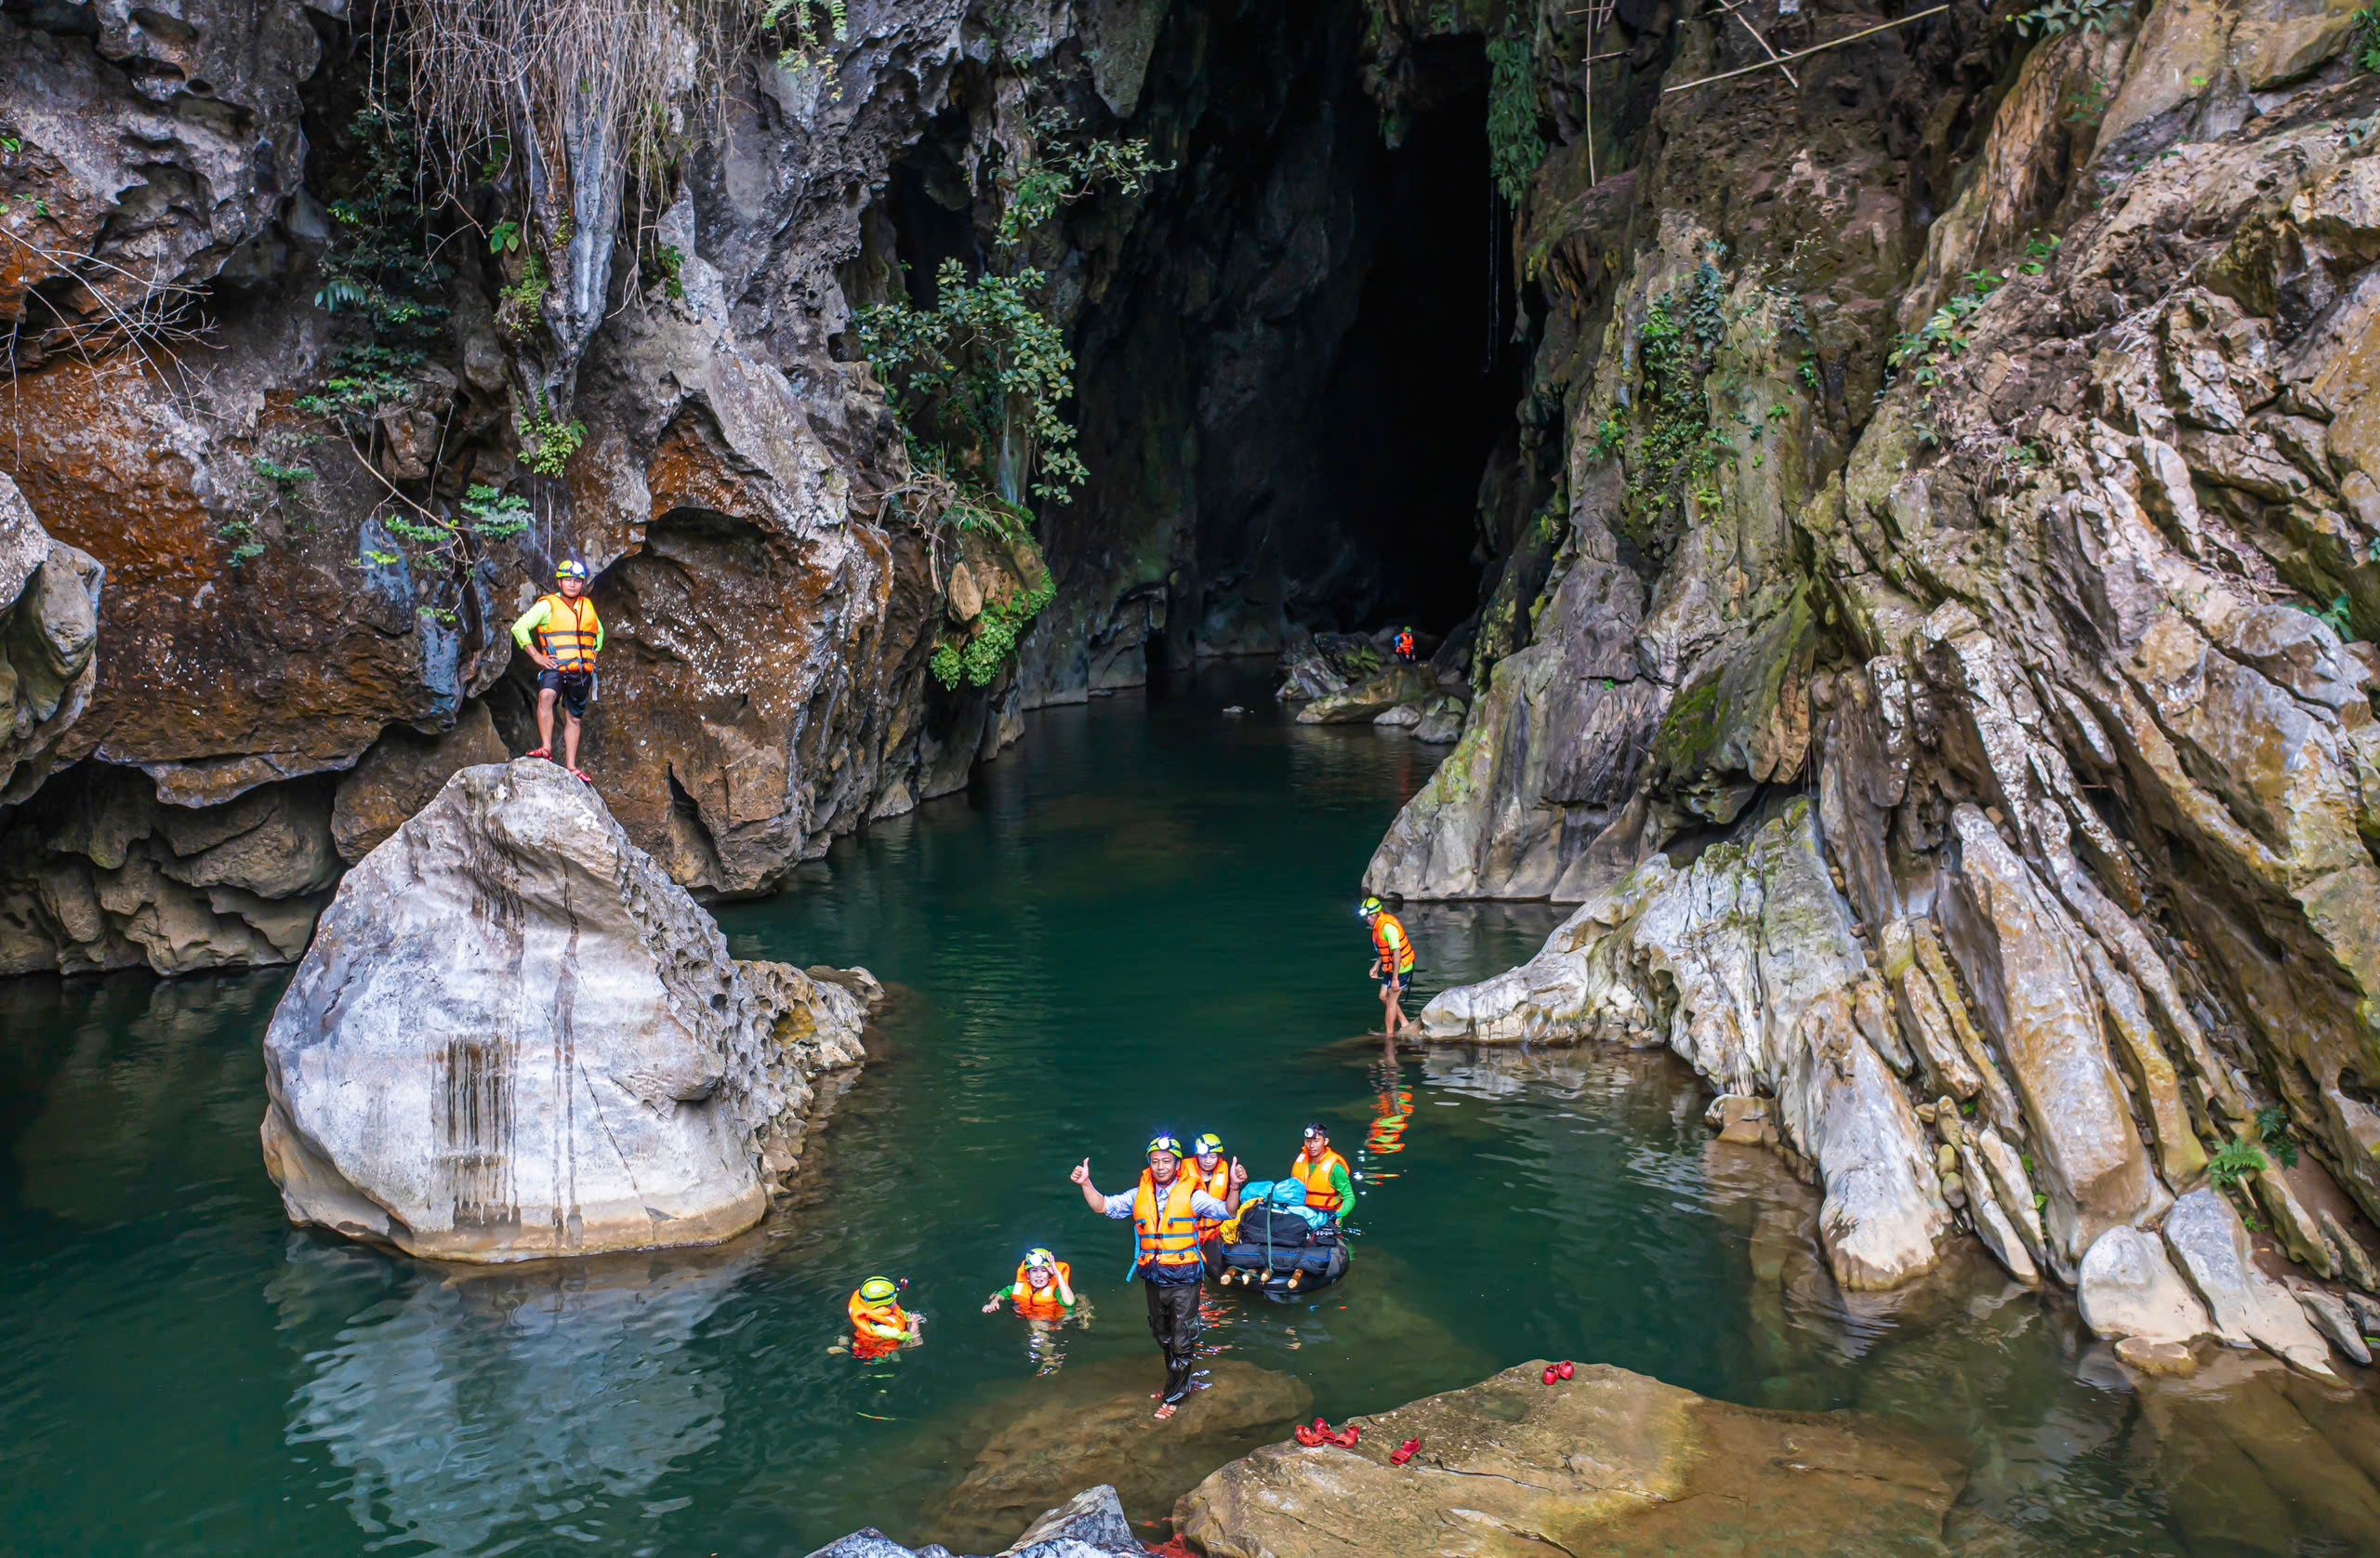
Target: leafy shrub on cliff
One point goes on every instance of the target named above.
(981, 655)
(2058, 18)
(379, 272)
(1513, 146)
(1062, 170)
(981, 374)
(2233, 1163)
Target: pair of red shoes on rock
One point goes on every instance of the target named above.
(547, 753)
(1563, 1370)
(1321, 1433)
(1404, 1452)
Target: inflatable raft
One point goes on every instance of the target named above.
(1278, 1245)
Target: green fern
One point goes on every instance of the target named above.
(2235, 1163)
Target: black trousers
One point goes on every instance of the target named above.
(1173, 1320)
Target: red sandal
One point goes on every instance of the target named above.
(1306, 1436)
(1404, 1452)
(1345, 1438)
(545, 752)
(1551, 1374)
(1568, 1368)
(580, 775)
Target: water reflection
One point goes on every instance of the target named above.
(465, 1409)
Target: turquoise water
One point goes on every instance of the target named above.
(1140, 917)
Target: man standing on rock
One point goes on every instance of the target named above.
(568, 637)
(1165, 1210)
(1392, 962)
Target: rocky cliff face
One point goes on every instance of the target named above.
(1966, 440)
(274, 372)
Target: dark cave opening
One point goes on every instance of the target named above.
(1426, 378)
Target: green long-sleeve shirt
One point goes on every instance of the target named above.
(536, 616)
(1347, 1189)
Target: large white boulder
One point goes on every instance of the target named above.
(515, 1038)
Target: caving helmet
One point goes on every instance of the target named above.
(1368, 907)
(1164, 1142)
(571, 568)
(1041, 1259)
(1210, 1143)
(878, 1289)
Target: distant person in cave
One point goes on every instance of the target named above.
(1405, 645)
(1392, 962)
(563, 634)
(1166, 1209)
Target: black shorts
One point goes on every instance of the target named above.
(575, 688)
(1400, 983)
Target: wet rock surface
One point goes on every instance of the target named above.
(1090, 1525)
(514, 1037)
(1095, 1423)
(1608, 1462)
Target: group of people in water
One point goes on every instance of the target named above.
(1183, 1211)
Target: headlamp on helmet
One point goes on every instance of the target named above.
(1164, 1143)
(1210, 1143)
(880, 1290)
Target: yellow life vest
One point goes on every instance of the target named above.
(1166, 1232)
(570, 632)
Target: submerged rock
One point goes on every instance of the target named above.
(1090, 1525)
(1095, 1423)
(513, 1036)
(1609, 1462)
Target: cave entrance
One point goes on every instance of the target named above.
(1428, 375)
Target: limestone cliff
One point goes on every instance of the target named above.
(1966, 436)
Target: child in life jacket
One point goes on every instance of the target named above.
(879, 1323)
(1043, 1289)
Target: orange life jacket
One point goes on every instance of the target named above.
(1321, 1193)
(1043, 1303)
(1405, 645)
(1217, 1184)
(1396, 949)
(879, 1321)
(1166, 1233)
(569, 633)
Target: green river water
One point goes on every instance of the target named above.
(1142, 917)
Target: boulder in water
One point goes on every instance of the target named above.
(1090, 1524)
(1609, 1462)
(514, 1038)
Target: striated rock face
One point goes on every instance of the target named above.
(1744, 964)
(96, 873)
(513, 1036)
(49, 634)
(1610, 1461)
(2037, 531)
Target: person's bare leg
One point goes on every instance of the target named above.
(545, 697)
(1395, 1009)
(569, 739)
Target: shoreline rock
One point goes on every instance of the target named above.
(514, 1038)
(1609, 1462)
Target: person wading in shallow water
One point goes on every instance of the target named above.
(1165, 1210)
(1392, 962)
(563, 635)
(1330, 1187)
